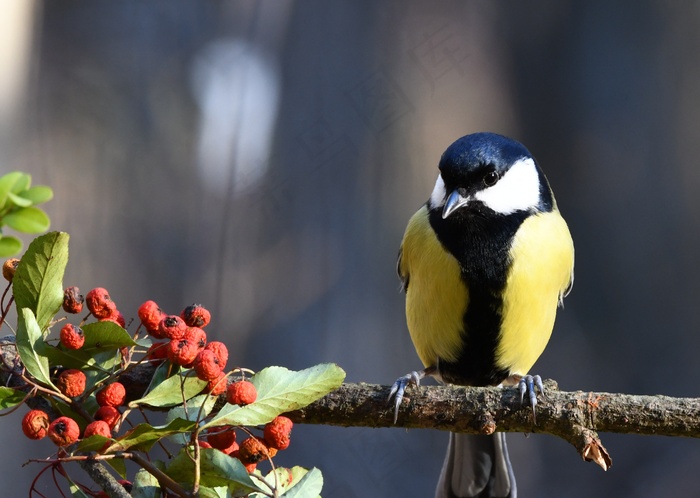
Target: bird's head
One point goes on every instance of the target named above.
(486, 172)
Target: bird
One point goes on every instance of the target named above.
(484, 265)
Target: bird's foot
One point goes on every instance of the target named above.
(527, 384)
(399, 387)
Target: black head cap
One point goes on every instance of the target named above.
(480, 150)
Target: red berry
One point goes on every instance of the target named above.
(9, 268)
(221, 351)
(172, 327)
(217, 386)
(99, 427)
(72, 337)
(35, 424)
(232, 450)
(112, 394)
(221, 437)
(196, 315)
(99, 303)
(196, 336)
(254, 450)
(109, 414)
(64, 431)
(71, 382)
(203, 444)
(72, 300)
(115, 317)
(182, 352)
(150, 315)
(278, 432)
(157, 352)
(241, 393)
(206, 365)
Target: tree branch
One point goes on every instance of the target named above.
(573, 416)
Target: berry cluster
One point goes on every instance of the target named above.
(179, 340)
(253, 449)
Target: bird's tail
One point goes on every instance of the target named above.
(476, 466)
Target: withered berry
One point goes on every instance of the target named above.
(112, 394)
(217, 387)
(72, 300)
(172, 327)
(182, 352)
(109, 414)
(221, 437)
(278, 432)
(196, 336)
(206, 365)
(150, 315)
(72, 336)
(99, 303)
(35, 424)
(9, 268)
(99, 427)
(71, 382)
(221, 351)
(115, 317)
(254, 450)
(196, 315)
(241, 393)
(64, 431)
(157, 352)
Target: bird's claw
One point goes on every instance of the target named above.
(527, 385)
(399, 387)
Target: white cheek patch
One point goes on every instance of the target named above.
(517, 190)
(437, 198)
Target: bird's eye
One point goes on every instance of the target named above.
(490, 178)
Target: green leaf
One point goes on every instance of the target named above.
(38, 194)
(38, 282)
(217, 492)
(9, 246)
(102, 340)
(172, 391)
(6, 183)
(309, 486)
(23, 182)
(28, 220)
(13, 182)
(92, 443)
(280, 391)
(161, 373)
(10, 397)
(216, 469)
(75, 490)
(289, 478)
(193, 408)
(118, 465)
(144, 436)
(64, 410)
(102, 361)
(102, 336)
(145, 485)
(18, 200)
(30, 346)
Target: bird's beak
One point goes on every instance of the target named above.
(454, 201)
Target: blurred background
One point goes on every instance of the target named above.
(262, 158)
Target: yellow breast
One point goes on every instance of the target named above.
(436, 297)
(542, 265)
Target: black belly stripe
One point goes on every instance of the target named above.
(481, 243)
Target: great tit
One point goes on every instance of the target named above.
(484, 265)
